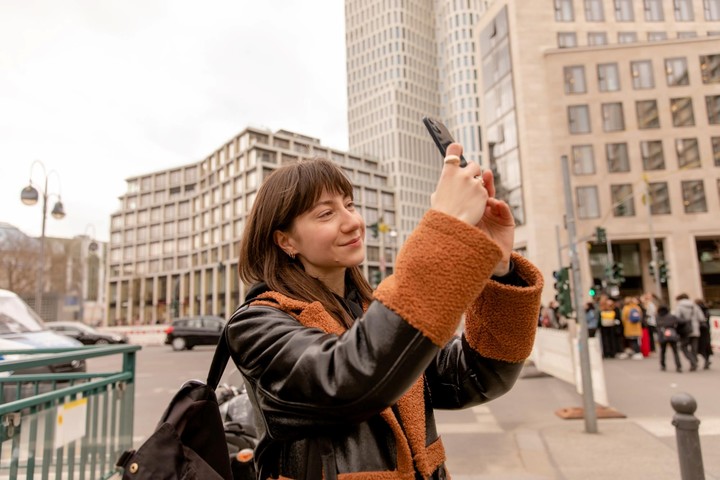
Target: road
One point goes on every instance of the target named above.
(484, 441)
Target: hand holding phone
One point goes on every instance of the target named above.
(441, 135)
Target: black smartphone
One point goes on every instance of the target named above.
(439, 132)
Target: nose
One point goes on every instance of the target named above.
(352, 221)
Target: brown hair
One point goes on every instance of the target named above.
(288, 192)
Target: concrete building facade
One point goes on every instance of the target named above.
(174, 242)
(630, 92)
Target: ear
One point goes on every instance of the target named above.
(282, 240)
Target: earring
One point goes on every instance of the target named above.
(291, 255)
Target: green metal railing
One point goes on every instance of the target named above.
(65, 425)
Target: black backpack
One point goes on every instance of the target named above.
(189, 442)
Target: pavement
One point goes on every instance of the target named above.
(513, 439)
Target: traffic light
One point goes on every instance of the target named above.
(596, 288)
(663, 272)
(373, 229)
(651, 268)
(601, 235)
(562, 291)
(618, 273)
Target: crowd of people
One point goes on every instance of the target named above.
(632, 327)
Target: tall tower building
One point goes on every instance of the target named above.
(407, 59)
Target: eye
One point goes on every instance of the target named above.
(324, 213)
(350, 205)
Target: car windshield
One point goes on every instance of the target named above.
(17, 317)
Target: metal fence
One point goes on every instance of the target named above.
(64, 425)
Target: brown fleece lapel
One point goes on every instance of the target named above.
(410, 440)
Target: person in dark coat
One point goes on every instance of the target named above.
(704, 346)
(667, 324)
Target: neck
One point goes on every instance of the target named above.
(335, 282)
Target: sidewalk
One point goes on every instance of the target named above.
(536, 444)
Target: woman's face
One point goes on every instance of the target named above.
(328, 238)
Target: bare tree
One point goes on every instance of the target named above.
(19, 256)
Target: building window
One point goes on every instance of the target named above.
(583, 160)
(624, 11)
(659, 198)
(627, 37)
(608, 77)
(716, 150)
(676, 71)
(687, 34)
(656, 36)
(653, 11)
(613, 119)
(682, 112)
(564, 11)
(597, 38)
(712, 103)
(618, 159)
(587, 202)
(652, 154)
(578, 119)
(622, 200)
(642, 74)
(647, 114)
(693, 192)
(594, 11)
(712, 9)
(684, 10)
(688, 154)
(575, 79)
(567, 39)
(710, 68)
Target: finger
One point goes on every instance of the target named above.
(501, 211)
(454, 149)
(489, 180)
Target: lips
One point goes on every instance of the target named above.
(352, 242)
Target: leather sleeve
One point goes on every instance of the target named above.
(460, 377)
(304, 377)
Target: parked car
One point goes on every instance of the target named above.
(21, 325)
(185, 333)
(85, 334)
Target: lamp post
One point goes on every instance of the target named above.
(29, 196)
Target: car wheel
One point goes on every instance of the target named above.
(101, 341)
(178, 344)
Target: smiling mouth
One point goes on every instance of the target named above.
(352, 242)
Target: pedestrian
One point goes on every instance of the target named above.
(704, 346)
(632, 327)
(345, 379)
(649, 303)
(690, 317)
(667, 325)
(608, 338)
(591, 317)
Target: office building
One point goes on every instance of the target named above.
(407, 59)
(174, 242)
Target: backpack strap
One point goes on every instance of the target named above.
(222, 354)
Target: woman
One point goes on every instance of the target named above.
(667, 324)
(344, 379)
(704, 344)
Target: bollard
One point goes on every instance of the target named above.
(688, 437)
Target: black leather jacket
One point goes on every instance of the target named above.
(320, 395)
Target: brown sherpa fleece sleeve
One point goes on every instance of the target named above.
(501, 322)
(440, 269)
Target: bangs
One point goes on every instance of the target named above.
(315, 177)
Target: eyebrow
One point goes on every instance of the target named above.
(326, 202)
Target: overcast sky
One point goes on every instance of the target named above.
(100, 91)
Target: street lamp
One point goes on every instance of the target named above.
(30, 196)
